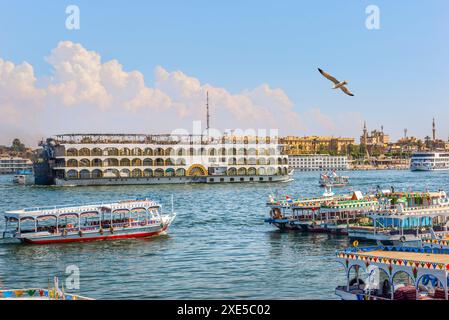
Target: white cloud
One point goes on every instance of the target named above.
(85, 94)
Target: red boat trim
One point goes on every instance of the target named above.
(99, 238)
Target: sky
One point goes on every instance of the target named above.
(145, 67)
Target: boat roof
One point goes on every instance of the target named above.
(77, 209)
(430, 258)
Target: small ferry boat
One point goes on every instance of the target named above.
(331, 179)
(102, 221)
(329, 213)
(429, 161)
(394, 273)
(405, 217)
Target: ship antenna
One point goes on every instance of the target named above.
(207, 112)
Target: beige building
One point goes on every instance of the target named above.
(294, 145)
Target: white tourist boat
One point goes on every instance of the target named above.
(429, 161)
(329, 213)
(332, 179)
(394, 273)
(413, 216)
(117, 159)
(102, 221)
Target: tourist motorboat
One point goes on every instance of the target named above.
(394, 273)
(329, 213)
(102, 221)
(405, 218)
(332, 179)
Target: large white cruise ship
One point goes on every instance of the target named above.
(112, 159)
(429, 161)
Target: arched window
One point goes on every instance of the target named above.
(110, 152)
(84, 174)
(147, 173)
(180, 162)
(147, 162)
(170, 172)
(169, 162)
(158, 173)
(72, 163)
(159, 152)
(169, 152)
(241, 171)
(148, 152)
(84, 163)
(71, 152)
(136, 162)
(96, 152)
(232, 161)
(125, 152)
(252, 171)
(72, 174)
(180, 172)
(125, 173)
(232, 172)
(97, 174)
(125, 162)
(136, 173)
(84, 152)
(181, 152)
(110, 162)
(136, 152)
(159, 162)
(212, 152)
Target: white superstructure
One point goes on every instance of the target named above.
(315, 162)
(82, 159)
(429, 161)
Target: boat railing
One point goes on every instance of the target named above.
(122, 204)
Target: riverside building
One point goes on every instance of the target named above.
(314, 162)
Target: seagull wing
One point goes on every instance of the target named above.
(328, 76)
(346, 90)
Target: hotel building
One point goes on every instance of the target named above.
(314, 162)
(14, 164)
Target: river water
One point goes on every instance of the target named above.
(218, 247)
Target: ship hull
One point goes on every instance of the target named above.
(97, 236)
(170, 180)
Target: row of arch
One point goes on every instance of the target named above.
(136, 162)
(110, 151)
(169, 172)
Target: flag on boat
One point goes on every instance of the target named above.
(289, 200)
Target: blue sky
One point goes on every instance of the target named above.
(399, 74)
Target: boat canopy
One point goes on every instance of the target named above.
(83, 210)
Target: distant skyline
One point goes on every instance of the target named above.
(145, 67)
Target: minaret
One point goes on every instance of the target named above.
(365, 133)
(405, 133)
(433, 129)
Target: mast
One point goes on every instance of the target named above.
(207, 112)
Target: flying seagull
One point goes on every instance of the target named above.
(337, 84)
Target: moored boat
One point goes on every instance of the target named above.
(405, 218)
(102, 221)
(394, 273)
(331, 179)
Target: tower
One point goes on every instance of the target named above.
(365, 133)
(207, 112)
(405, 133)
(433, 129)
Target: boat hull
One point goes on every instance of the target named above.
(171, 180)
(97, 236)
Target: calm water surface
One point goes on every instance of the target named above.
(218, 247)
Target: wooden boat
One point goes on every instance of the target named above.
(102, 221)
(394, 273)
